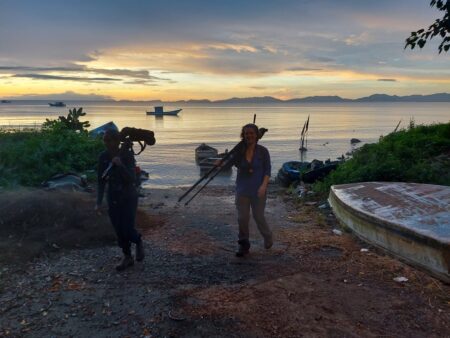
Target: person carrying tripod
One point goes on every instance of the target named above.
(254, 169)
(116, 166)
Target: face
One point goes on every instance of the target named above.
(250, 136)
(110, 143)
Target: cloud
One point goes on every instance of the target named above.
(42, 73)
(387, 80)
(65, 96)
(302, 69)
(356, 40)
(66, 78)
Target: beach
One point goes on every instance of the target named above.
(313, 282)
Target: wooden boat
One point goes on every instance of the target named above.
(204, 151)
(210, 162)
(159, 111)
(57, 104)
(409, 220)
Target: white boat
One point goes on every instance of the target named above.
(159, 111)
(409, 220)
(57, 104)
(204, 151)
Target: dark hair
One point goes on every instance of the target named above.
(252, 126)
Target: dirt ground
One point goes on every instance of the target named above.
(312, 283)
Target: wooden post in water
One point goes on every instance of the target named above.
(303, 138)
(254, 118)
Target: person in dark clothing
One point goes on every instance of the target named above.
(116, 167)
(254, 169)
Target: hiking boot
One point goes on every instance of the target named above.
(244, 247)
(127, 261)
(268, 243)
(140, 254)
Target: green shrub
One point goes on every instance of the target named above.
(29, 158)
(418, 154)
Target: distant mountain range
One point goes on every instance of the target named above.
(439, 97)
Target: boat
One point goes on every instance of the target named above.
(208, 163)
(5, 101)
(159, 111)
(291, 172)
(409, 220)
(99, 131)
(57, 104)
(319, 172)
(204, 151)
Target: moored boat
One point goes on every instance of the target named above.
(210, 162)
(409, 220)
(315, 174)
(159, 111)
(204, 151)
(57, 104)
(291, 172)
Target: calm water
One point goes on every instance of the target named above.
(171, 160)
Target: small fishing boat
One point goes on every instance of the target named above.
(291, 171)
(210, 162)
(99, 131)
(313, 175)
(204, 151)
(159, 111)
(57, 104)
(409, 220)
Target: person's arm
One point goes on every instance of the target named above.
(100, 182)
(126, 167)
(267, 167)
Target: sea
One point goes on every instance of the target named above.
(171, 161)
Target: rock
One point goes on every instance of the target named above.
(337, 232)
(354, 140)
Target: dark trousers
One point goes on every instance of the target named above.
(243, 205)
(122, 212)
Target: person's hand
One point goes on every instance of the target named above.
(262, 191)
(116, 160)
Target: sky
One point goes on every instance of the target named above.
(209, 49)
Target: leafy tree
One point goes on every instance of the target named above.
(71, 122)
(441, 27)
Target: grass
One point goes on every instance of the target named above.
(417, 154)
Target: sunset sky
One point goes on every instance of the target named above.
(170, 50)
